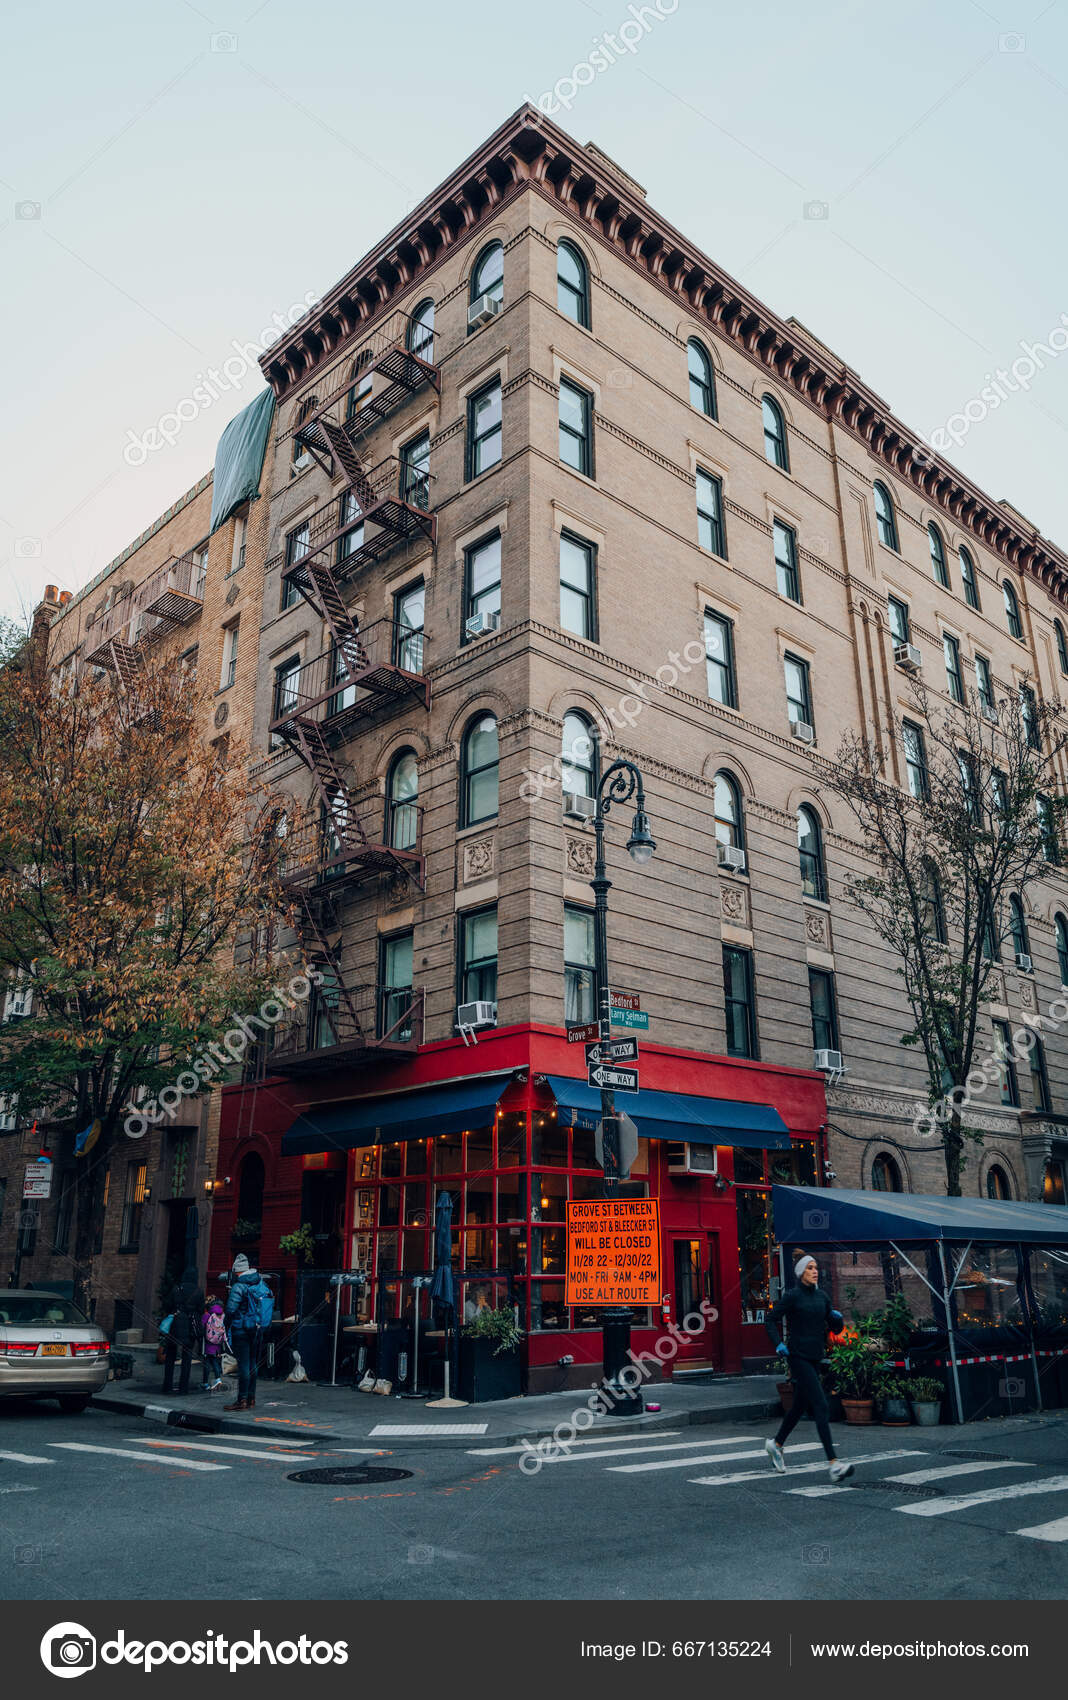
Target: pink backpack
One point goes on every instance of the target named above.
(214, 1330)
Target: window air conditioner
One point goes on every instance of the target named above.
(476, 1015)
(829, 1061)
(9, 1108)
(989, 711)
(1023, 962)
(802, 730)
(482, 311)
(577, 806)
(479, 624)
(686, 1159)
(908, 656)
(732, 858)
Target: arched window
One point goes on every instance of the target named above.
(702, 378)
(300, 458)
(1061, 926)
(572, 284)
(578, 755)
(421, 331)
(488, 275)
(362, 384)
(997, 1182)
(1018, 927)
(1012, 611)
(727, 805)
(250, 1198)
(884, 518)
(775, 449)
(402, 807)
(885, 1174)
(810, 852)
(968, 577)
(478, 771)
(1062, 647)
(938, 556)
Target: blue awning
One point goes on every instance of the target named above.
(811, 1216)
(676, 1115)
(434, 1110)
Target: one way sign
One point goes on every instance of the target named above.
(612, 1051)
(617, 1079)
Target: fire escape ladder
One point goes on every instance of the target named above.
(343, 628)
(127, 662)
(327, 950)
(349, 462)
(317, 756)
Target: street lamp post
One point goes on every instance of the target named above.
(617, 784)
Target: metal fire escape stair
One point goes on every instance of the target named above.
(349, 462)
(327, 950)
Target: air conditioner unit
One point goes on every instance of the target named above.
(18, 1003)
(476, 1015)
(577, 806)
(1023, 962)
(479, 624)
(908, 656)
(9, 1108)
(731, 857)
(989, 711)
(803, 731)
(482, 311)
(686, 1159)
(829, 1061)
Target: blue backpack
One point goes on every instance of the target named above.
(257, 1306)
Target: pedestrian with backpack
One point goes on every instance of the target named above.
(249, 1309)
(213, 1331)
(180, 1341)
(809, 1318)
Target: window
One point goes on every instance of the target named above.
(478, 956)
(299, 456)
(702, 379)
(576, 428)
(237, 554)
(969, 782)
(984, 683)
(810, 854)
(484, 429)
(798, 690)
(350, 524)
(572, 284)
(968, 577)
(421, 331)
(1036, 1059)
(578, 756)
(954, 677)
(933, 914)
(1061, 926)
(885, 1174)
(1018, 927)
(938, 556)
(578, 964)
(360, 392)
(998, 793)
(719, 659)
(727, 809)
(395, 982)
(402, 808)
(482, 571)
(133, 1206)
(774, 434)
(884, 518)
(200, 570)
(898, 617)
(786, 574)
(488, 275)
(997, 1183)
(297, 545)
(1029, 717)
(990, 944)
(738, 1001)
(1047, 826)
(408, 615)
(478, 771)
(415, 471)
(286, 687)
(916, 761)
(1012, 611)
(824, 1007)
(710, 533)
(1062, 647)
(229, 660)
(578, 612)
(1010, 1090)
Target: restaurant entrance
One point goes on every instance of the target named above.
(694, 1270)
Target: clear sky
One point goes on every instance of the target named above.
(174, 175)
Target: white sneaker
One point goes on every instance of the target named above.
(840, 1470)
(774, 1452)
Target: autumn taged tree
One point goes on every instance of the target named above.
(131, 860)
(976, 817)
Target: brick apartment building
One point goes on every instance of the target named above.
(188, 594)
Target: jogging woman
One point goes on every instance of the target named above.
(809, 1318)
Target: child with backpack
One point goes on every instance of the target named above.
(213, 1334)
(249, 1310)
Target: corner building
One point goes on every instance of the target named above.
(549, 488)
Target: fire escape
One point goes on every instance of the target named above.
(366, 672)
(171, 597)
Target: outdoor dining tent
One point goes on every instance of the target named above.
(945, 1229)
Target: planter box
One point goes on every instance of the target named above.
(483, 1376)
(895, 1413)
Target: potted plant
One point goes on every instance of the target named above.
(853, 1360)
(299, 1244)
(244, 1231)
(926, 1395)
(489, 1355)
(892, 1392)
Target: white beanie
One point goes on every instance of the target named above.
(802, 1264)
(240, 1264)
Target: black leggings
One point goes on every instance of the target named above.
(809, 1401)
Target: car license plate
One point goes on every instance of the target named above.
(53, 1351)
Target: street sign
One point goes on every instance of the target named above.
(582, 1032)
(37, 1181)
(612, 1079)
(613, 1051)
(613, 1251)
(629, 1018)
(624, 1000)
(628, 1144)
